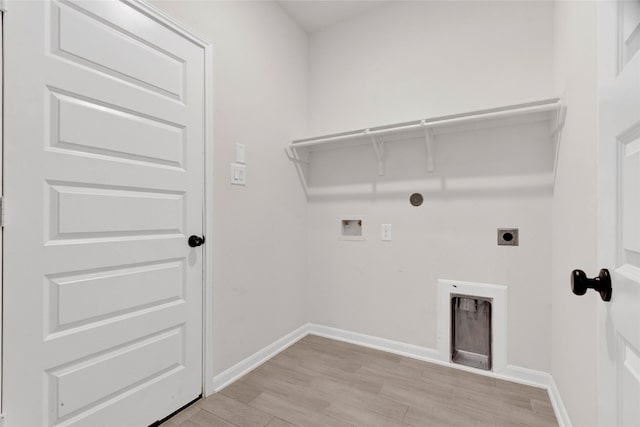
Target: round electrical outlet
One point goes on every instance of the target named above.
(508, 237)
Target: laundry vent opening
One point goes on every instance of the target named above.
(471, 331)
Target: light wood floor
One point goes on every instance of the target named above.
(322, 382)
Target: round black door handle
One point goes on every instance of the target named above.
(195, 241)
(602, 284)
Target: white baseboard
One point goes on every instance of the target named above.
(400, 348)
(558, 405)
(525, 376)
(242, 368)
(512, 373)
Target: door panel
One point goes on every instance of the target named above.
(83, 126)
(619, 211)
(76, 33)
(104, 154)
(83, 298)
(81, 383)
(75, 212)
(629, 376)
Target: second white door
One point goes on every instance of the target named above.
(619, 212)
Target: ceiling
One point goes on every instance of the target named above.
(314, 15)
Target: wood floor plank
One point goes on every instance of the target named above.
(345, 393)
(336, 359)
(526, 419)
(329, 388)
(292, 413)
(386, 376)
(235, 412)
(444, 415)
(350, 350)
(188, 423)
(241, 391)
(299, 394)
(534, 392)
(203, 418)
(322, 382)
(417, 396)
(486, 401)
(391, 368)
(282, 369)
(317, 367)
(542, 406)
(456, 377)
(356, 415)
(277, 422)
(181, 416)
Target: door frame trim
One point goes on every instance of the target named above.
(207, 253)
(2, 13)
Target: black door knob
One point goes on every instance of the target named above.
(195, 241)
(602, 284)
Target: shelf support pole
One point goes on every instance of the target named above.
(378, 147)
(428, 139)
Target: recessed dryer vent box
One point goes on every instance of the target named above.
(351, 228)
(471, 331)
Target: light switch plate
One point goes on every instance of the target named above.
(238, 174)
(241, 153)
(385, 232)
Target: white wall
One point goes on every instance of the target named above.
(574, 319)
(410, 60)
(405, 60)
(260, 99)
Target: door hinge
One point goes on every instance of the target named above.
(3, 205)
(2, 420)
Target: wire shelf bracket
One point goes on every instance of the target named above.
(552, 110)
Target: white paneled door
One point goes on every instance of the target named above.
(619, 212)
(104, 155)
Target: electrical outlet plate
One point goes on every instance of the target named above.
(508, 237)
(385, 232)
